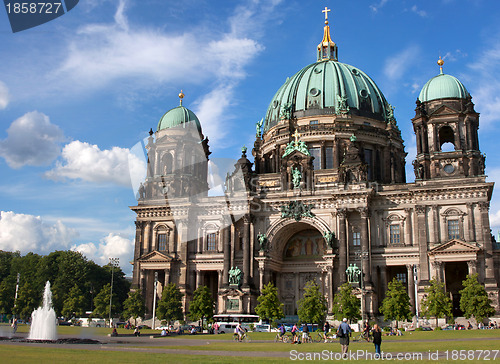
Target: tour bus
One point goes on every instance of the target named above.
(228, 322)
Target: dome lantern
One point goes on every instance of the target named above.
(327, 49)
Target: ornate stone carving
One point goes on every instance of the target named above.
(235, 276)
(262, 238)
(329, 237)
(296, 210)
(420, 209)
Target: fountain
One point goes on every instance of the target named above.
(43, 319)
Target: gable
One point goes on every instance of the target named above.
(155, 257)
(454, 246)
(444, 110)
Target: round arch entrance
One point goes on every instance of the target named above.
(301, 255)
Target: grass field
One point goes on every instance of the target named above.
(151, 350)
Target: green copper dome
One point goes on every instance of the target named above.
(328, 87)
(443, 86)
(178, 116)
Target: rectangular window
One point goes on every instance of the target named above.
(212, 242)
(395, 233)
(401, 277)
(453, 229)
(328, 157)
(368, 161)
(356, 238)
(162, 242)
(314, 124)
(316, 153)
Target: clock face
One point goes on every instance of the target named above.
(449, 168)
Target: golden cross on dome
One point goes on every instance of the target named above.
(326, 14)
(296, 136)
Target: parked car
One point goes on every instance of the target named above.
(262, 328)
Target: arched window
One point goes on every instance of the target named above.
(446, 139)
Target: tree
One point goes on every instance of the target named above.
(202, 305)
(134, 306)
(7, 294)
(74, 304)
(269, 307)
(474, 300)
(170, 305)
(27, 301)
(396, 304)
(101, 302)
(436, 302)
(312, 306)
(346, 304)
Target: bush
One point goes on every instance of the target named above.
(419, 329)
(387, 328)
(438, 328)
(451, 321)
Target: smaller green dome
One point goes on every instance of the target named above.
(443, 86)
(178, 116)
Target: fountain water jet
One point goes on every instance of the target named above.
(43, 319)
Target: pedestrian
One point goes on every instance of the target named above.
(377, 339)
(343, 333)
(216, 328)
(295, 332)
(305, 334)
(136, 331)
(14, 326)
(326, 330)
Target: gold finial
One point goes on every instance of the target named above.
(440, 63)
(326, 14)
(296, 136)
(181, 96)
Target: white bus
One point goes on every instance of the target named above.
(228, 322)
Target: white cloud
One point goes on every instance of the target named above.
(421, 13)
(375, 7)
(111, 246)
(396, 65)
(28, 233)
(4, 95)
(32, 140)
(89, 163)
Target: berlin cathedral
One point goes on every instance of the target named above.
(326, 191)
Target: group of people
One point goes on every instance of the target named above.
(343, 333)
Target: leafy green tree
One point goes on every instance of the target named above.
(74, 304)
(134, 306)
(312, 306)
(436, 303)
(101, 302)
(7, 294)
(269, 308)
(202, 304)
(396, 304)
(346, 304)
(170, 305)
(474, 300)
(28, 299)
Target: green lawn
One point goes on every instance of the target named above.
(420, 342)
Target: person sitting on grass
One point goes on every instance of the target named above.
(193, 330)
(136, 331)
(114, 333)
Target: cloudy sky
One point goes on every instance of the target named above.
(77, 93)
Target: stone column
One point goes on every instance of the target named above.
(297, 284)
(489, 273)
(408, 225)
(147, 237)
(227, 255)
(198, 278)
(137, 253)
(329, 287)
(261, 278)
(335, 151)
(472, 265)
(471, 221)
(411, 286)
(246, 250)
(365, 261)
(342, 213)
(422, 243)
(171, 241)
(438, 270)
(167, 276)
(434, 233)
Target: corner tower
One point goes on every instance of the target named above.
(446, 128)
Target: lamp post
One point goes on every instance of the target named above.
(415, 281)
(362, 255)
(113, 262)
(154, 300)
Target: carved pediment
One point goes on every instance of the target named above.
(155, 257)
(231, 292)
(444, 110)
(454, 246)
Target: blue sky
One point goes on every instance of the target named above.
(77, 93)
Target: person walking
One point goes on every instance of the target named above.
(326, 330)
(343, 333)
(377, 339)
(305, 333)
